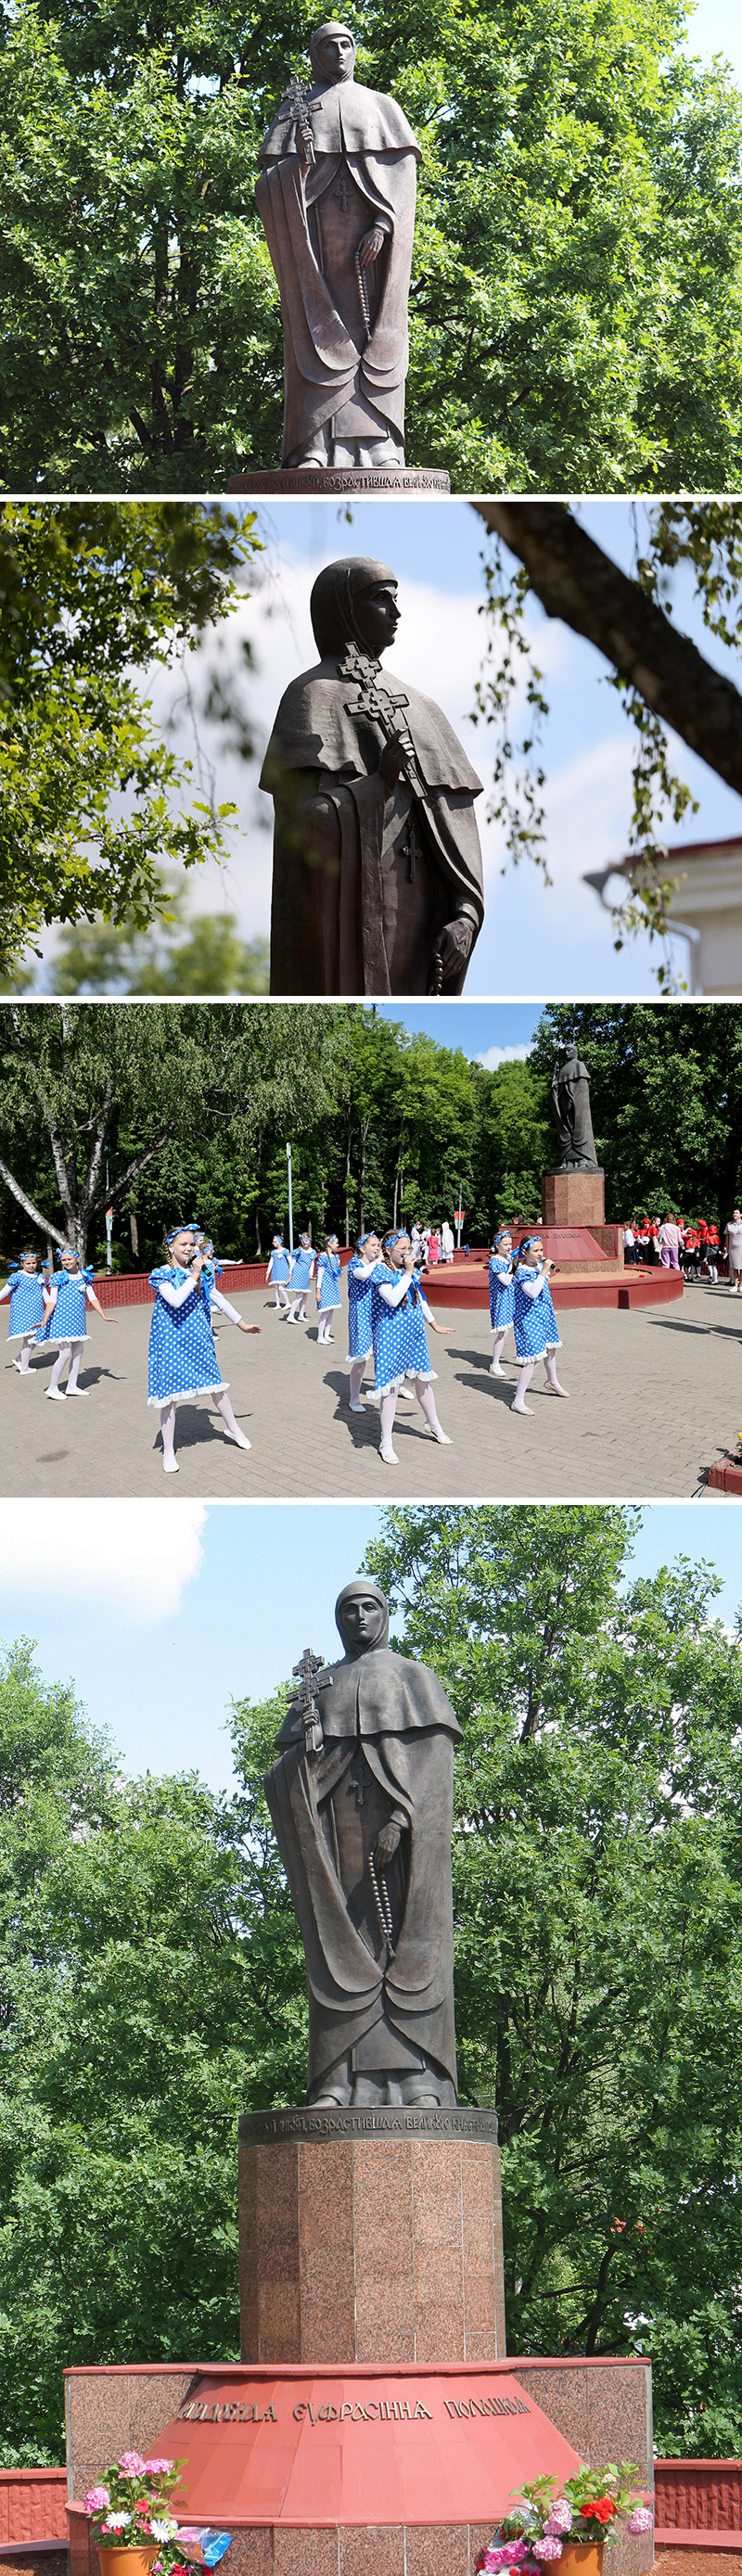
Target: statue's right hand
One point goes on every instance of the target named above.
(391, 763)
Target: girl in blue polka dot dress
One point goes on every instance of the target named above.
(399, 1314)
(302, 1274)
(502, 1295)
(69, 1293)
(182, 1357)
(278, 1273)
(361, 1272)
(26, 1292)
(536, 1335)
(327, 1288)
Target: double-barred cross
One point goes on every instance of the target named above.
(307, 1673)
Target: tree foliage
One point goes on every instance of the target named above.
(90, 598)
(666, 1097)
(575, 305)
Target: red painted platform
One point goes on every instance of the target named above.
(602, 1282)
(726, 1476)
(318, 2447)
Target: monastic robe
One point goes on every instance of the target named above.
(335, 368)
(386, 1720)
(364, 882)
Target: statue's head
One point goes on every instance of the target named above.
(354, 602)
(570, 1050)
(332, 52)
(362, 1616)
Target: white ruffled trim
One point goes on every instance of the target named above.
(354, 1357)
(525, 1356)
(391, 1386)
(188, 1394)
(58, 1341)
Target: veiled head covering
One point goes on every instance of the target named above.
(362, 1588)
(332, 603)
(330, 27)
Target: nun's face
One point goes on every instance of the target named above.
(336, 56)
(361, 1622)
(377, 616)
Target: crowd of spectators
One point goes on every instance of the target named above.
(690, 1244)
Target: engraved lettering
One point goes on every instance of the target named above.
(328, 2414)
(270, 2416)
(372, 2410)
(312, 2416)
(420, 2411)
(300, 2412)
(359, 2414)
(346, 2409)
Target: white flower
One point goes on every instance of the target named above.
(116, 2521)
(163, 2530)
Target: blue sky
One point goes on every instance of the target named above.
(716, 28)
(478, 1028)
(159, 1618)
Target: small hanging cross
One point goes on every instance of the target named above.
(342, 193)
(307, 1672)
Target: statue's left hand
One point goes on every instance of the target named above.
(387, 1843)
(455, 942)
(370, 246)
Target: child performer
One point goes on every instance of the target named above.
(26, 1292)
(327, 1286)
(182, 1357)
(69, 1294)
(278, 1273)
(399, 1313)
(302, 1275)
(536, 1335)
(360, 1339)
(502, 1295)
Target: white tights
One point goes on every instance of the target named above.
(281, 1297)
(298, 1307)
(356, 1381)
(497, 1351)
(518, 1404)
(25, 1359)
(325, 1320)
(388, 1407)
(69, 1354)
(223, 1406)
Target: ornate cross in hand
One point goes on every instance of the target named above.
(297, 100)
(307, 1672)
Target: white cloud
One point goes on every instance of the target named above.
(496, 1055)
(135, 1554)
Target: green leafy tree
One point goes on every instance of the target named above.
(575, 305)
(666, 1097)
(598, 1909)
(201, 955)
(89, 793)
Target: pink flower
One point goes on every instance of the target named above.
(547, 2548)
(560, 2515)
(132, 2464)
(156, 2468)
(641, 2519)
(512, 2550)
(97, 2500)
(492, 2559)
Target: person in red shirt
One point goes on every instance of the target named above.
(712, 1249)
(691, 1251)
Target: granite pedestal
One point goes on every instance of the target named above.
(573, 1198)
(371, 2236)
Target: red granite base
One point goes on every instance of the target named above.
(573, 1198)
(725, 1478)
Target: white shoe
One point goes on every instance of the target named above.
(520, 1408)
(171, 1466)
(390, 1457)
(56, 1395)
(77, 1390)
(443, 1438)
(240, 1439)
(496, 1372)
(356, 1408)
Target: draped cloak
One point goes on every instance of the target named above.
(397, 1713)
(352, 912)
(332, 362)
(570, 1109)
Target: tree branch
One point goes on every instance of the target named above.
(578, 583)
(44, 1223)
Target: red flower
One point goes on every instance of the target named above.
(602, 2511)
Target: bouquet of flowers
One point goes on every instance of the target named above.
(591, 2507)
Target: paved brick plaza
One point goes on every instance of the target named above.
(655, 1398)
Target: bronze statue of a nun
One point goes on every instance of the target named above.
(336, 197)
(361, 1797)
(377, 866)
